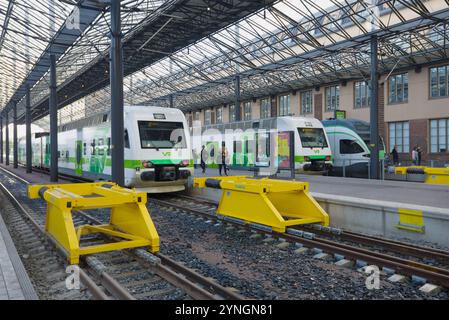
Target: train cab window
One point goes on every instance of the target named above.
(350, 147)
(312, 137)
(126, 139)
(161, 134)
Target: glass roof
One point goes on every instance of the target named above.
(293, 44)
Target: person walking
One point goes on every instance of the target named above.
(414, 155)
(203, 154)
(395, 155)
(224, 159)
(419, 155)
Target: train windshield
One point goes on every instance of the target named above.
(312, 137)
(158, 134)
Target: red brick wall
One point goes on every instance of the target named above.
(318, 106)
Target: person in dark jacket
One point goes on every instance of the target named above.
(395, 156)
(419, 151)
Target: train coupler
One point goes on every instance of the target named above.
(130, 224)
(274, 203)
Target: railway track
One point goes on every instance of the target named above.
(128, 274)
(402, 258)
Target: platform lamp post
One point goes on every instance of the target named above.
(116, 79)
(28, 129)
(53, 122)
(374, 114)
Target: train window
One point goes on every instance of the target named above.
(100, 141)
(161, 134)
(67, 155)
(85, 148)
(109, 147)
(350, 147)
(126, 139)
(93, 147)
(105, 117)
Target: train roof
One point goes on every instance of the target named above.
(354, 124)
(101, 117)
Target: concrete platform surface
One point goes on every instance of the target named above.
(385, 190)
(34, 177)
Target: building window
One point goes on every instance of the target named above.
(439, 135)
(284, 105)
(196, 116)
(306, 102)
(219, 115)
(438, 81)
(398, 88)
(361, 94)
(207, 117)
(231, 113)
(399, 136)
(265, 108)
(332, 98)
(247, 111)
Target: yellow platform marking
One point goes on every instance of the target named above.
(411, 220)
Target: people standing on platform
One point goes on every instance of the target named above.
(395, 155)
(224, 159)
(419, 151)
(414, 155)
(203, 154)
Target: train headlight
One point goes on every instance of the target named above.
(184, 163)
(147, 164)
(328, 158)
(306, 158)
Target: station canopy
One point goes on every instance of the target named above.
(286, 45)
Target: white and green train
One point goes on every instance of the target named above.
(349, 140)
(157, 151)
(243, 142)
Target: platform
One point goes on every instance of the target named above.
(385, 190)
(407, 210)
(14, 281)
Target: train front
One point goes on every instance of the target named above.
(159, 153)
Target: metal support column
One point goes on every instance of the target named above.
(237, 98)
(53, 122)
(1, 138)
(171, 101)
(28, 129)
(374, 115)
(7, 139)
(116, 79)
(15, 154)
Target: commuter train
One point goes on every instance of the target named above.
(349, 140)
(247, 149)
(158, 155)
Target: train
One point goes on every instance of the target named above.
(349, 140)
(158, 156)
(247, 149)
